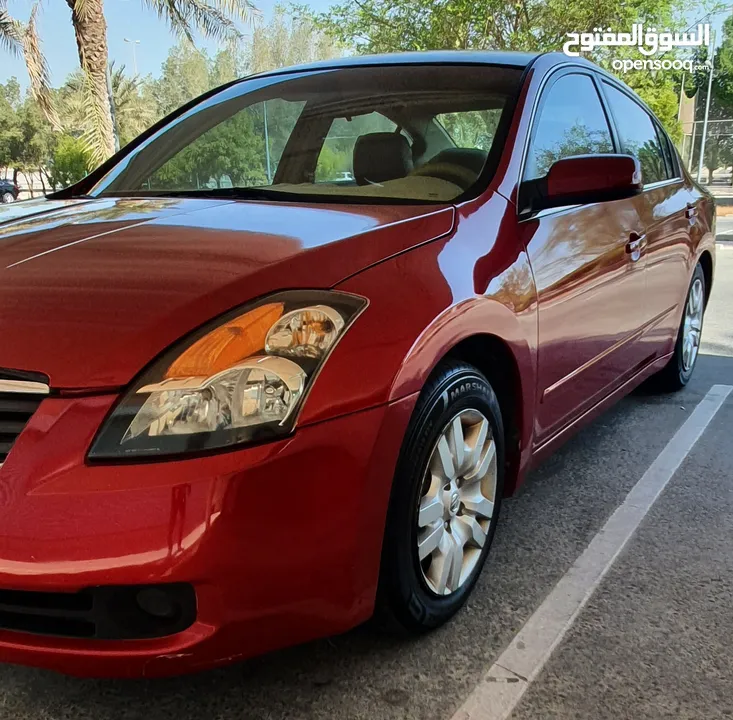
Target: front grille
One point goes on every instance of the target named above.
(63, 614)
(15, 412)
(112, 612)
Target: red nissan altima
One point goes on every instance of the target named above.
(271, 369)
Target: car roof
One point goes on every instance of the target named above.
(446, 57)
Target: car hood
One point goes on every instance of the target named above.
(92, 290)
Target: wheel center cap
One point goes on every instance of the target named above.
(455, 503)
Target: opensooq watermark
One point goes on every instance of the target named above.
(649, 42)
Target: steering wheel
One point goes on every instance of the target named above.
(456, 174)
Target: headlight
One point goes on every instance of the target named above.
(240, 379)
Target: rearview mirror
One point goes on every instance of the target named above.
(586, 179)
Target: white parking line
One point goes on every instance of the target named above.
(498, 693)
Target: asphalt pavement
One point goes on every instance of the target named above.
(653, 641)
(724, 228)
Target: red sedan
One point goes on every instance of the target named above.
(272, 368)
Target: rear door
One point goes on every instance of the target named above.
(590, 289)
(666, 209)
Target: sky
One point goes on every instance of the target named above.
(125, 19)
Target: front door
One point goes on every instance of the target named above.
(590, 281)
(666, 208)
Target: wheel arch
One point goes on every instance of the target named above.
(493, 340)
(494, 359)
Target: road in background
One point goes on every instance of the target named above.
(653, 642)
(724, 228)
(717, 337)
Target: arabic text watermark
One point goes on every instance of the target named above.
(649, 42)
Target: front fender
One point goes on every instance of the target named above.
(467, 318)
(422, 304)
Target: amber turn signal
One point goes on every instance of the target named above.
(227, 345)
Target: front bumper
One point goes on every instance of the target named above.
(281, 542)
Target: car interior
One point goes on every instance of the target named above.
(418, 158)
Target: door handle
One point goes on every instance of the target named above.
(691, 211)
(636, 245)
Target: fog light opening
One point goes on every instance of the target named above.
(158, 604)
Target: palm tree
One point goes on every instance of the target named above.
(133, 111)
(214, 18)
(17, 38)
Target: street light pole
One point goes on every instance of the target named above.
(134, 53)
(704, 137)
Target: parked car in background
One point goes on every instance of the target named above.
(8, 191)
(239, 415)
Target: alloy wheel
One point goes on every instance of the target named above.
(457, 502)
(692, 325)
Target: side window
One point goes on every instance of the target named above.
(335, 161)
(571, 122)
(638, 134)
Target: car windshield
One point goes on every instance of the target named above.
(398, 133)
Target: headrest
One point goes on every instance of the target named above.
(381, 156)
(469, 158)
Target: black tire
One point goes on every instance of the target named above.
(674, 376)
(404, 600)
(8, 197)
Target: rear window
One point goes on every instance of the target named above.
(402, 133)
(472, 128)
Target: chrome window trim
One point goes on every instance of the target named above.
(547, 212)
(24, 386)
(661, 183)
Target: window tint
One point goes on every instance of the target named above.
(269, 132)
(473, 129)
(241, 151)
(335, 162)
(638, 134)
(571, 122)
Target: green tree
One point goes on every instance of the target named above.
(185, 74)
(230, 154)
(214, 18)
(376, 26)
(27, 139)
(530, 25)
(70, 162)
(10, 130)
(18, 38)
(135, 109)
(660, 91)
(228, 65)
(289, 40)
(719, 142)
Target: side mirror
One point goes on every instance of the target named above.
(586, 179)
